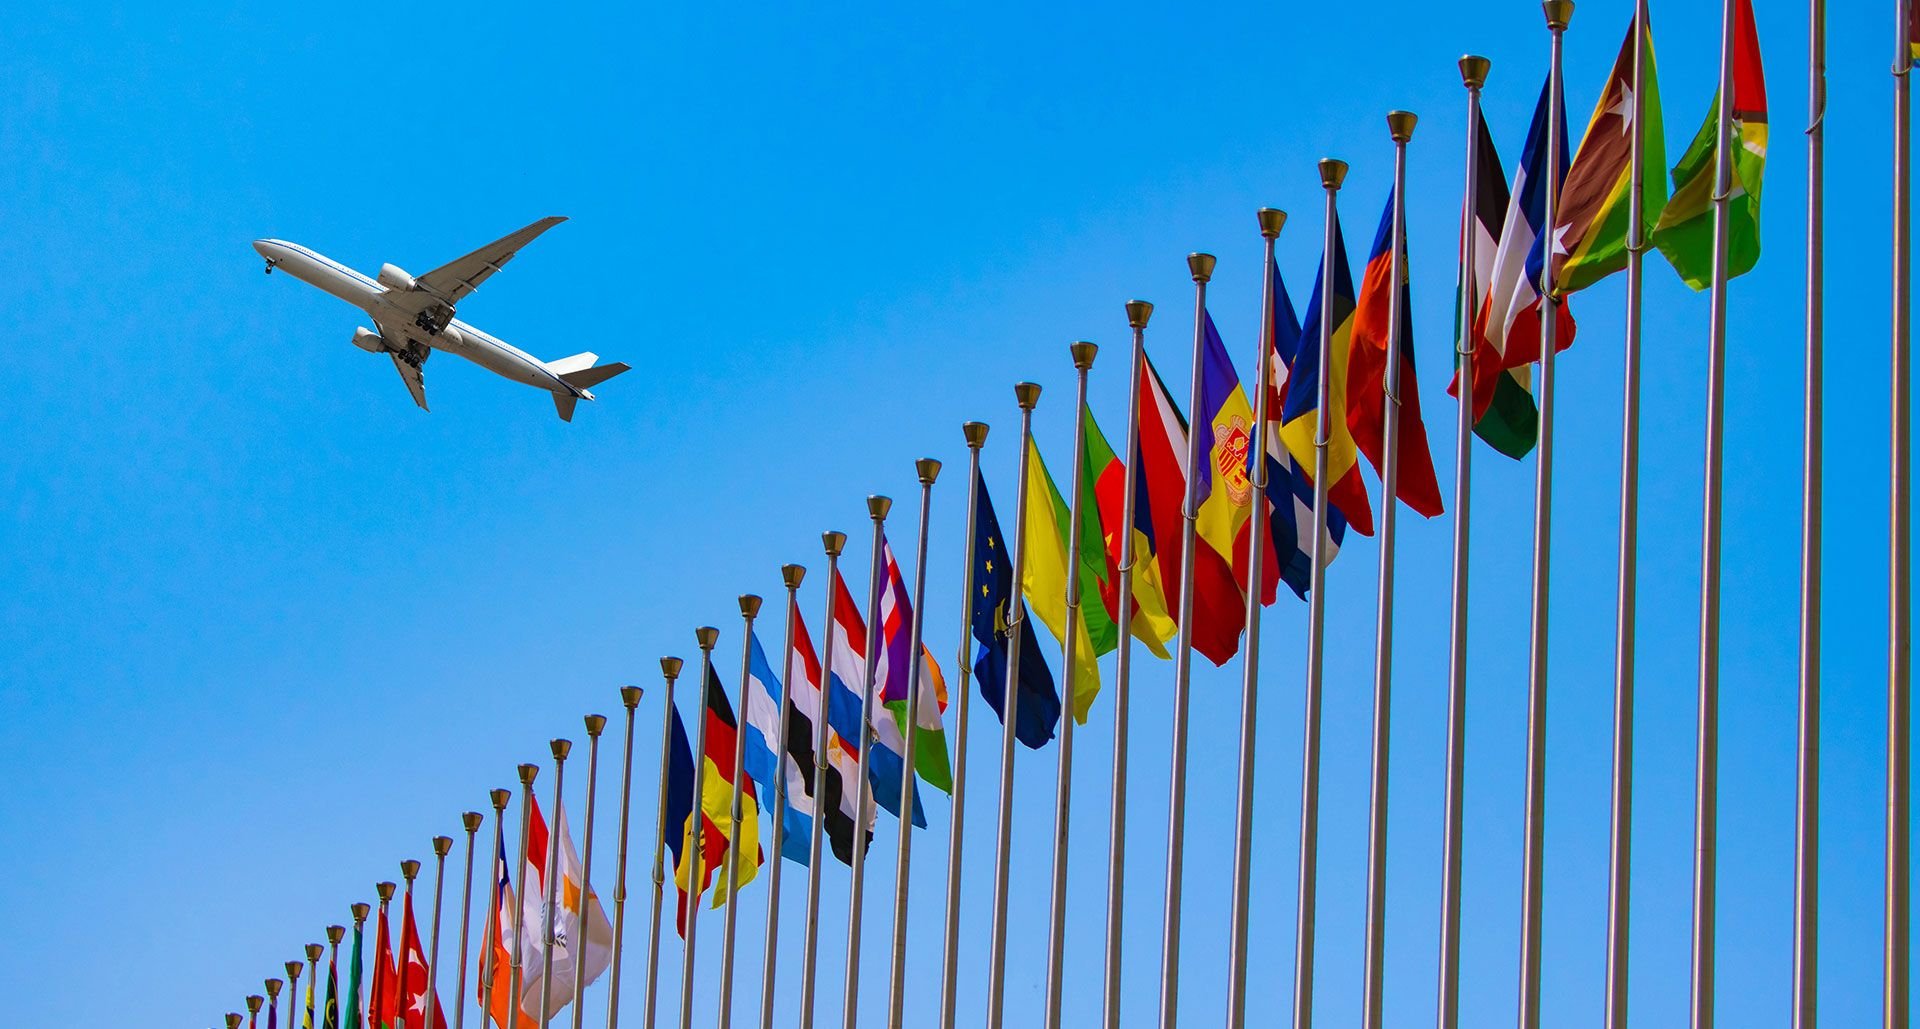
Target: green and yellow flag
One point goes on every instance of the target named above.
(1685, 231)
(1103, 489)
(1044, 578)
(1590, 243)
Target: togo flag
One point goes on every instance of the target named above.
(1685, 231)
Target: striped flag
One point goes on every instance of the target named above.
(1685, 232)
(1366, 382)
(792, 762)
(1107, 478)
(893, 683)
(843, 761)
(1590, 242)
(505, 910)
(581, 932)
(1301, 403)
(1289, 486)
(1508, 421)
(846, 686)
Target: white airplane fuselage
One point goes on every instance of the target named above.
(378, 301)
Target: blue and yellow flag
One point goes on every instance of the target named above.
(1300, 409)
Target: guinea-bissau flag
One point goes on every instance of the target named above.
(1367, 369)
(1044, 579)
(1106, 481)
(1289, 486)
(1301, 402)
(1685, 231)
(993, 610)
(1595, 198)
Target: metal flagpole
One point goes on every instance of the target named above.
(1083, 354)
(749, 610)
(1806, 865)
(359, 910)
(791, 575)
(1900, 556)
(293, 990)
(314, 952)
(384, 891)
(335, 933)
(595, 724)
(1532, 871)
(1201, 267)
(877, 507)
(528, 772)
(1332, 174)
(1400, 125)
(409, 871)
(834, 542)
(499, 798)
(630, 699)
(1138, 311)
(1027, 395)
(234, 1019)
(669, 670)
(1619, 879)
(441, 846)
(273, 1001)
(976, 436)
(471, 821)
(550, 882)
(254, 1001)
(928, 470)
(1239, 910)
(706, 636)
(1473, 74)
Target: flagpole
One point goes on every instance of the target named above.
(791, 575)
(1473, 74)
(834, 542)
(294, 969)
(1201, 267)
(749, 610)
(1532, 872)
(273, 1000)
(359, 910)
(1027, 395)
(1238, 910)
(409, 870)
(630, 699)
(928, 470)
(441, 845)
(1806, 865)
(1332, 174)
(550, 881)
(976, 437)
(528, 772)
(1138, 311)
(254, 1001)
(1083, 354)
(314, 952)
(706, 636)
(669, 670)
(233, 1020)
(595, 725)
(471, 821)
(499, 798)
(1620, 854)
(384, 891)
(1900, 557)
(335, 933)
(877, 507)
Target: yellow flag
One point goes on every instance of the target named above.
(1044, 579)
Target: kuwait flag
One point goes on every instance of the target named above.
(1508, 421)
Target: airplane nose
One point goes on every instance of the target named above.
(263, 248)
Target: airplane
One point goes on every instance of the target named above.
(413, 317)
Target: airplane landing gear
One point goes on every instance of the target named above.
(270, 265)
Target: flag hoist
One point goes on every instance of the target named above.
(927, 470)
(749, 610)
(833, 543)
(706, 636)
(471, 822)
(550, 880)
(1806, 836)
(293, 990)
(515, 970)
(669, 670)
(1900, 542)
(583, 897)
(877, 508)
(975, 434)
(441, 846)
(409, 871)
(492, 929)
(791, 576)
(1027, 395)
(630, 699)
(314, 951)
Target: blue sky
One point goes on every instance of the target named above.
(268, 628)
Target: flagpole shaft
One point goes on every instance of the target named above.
(1028, 395)
(707, 636)
(1900, 627)
(1083, 354)
(630, 699)
(1201, 266)
(1620, 848)
(1138, 311)
(1238, 910)
(408, 870)
(1806, 865)
(1332, 174)
(670, 672)
(441, 845)
(850, 1003)
(550, 884)
(834, 541)
(514, 961)
(578, 946)
(896, 987)
(749, 609)
(792, 575)
(1533, 867)
(473, 822)
(487, 933)
(976, 436)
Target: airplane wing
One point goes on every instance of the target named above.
(454, 280)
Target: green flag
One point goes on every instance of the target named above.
(1590, 242)
(1685, 231)
(353, 981)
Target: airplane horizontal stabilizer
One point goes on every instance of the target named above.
(587, 378)
(577, 362)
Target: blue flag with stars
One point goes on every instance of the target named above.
(993, 598)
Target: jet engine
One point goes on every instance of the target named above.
(395, 279)
(369, 340)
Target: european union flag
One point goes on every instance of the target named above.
(993, 598)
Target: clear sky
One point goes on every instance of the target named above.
(266, 628)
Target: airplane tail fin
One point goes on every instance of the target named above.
(564, 403)
(589, 377)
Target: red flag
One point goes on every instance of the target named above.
(412, 977)
(384, 1003)
(1366, 375)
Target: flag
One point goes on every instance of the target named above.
(496, 959)
(1044, 578)
(723, 735)
(1913, 30)
(1366, 379)
(846, 674)
(1590, 243)
(893, 683)
(581, 932)
(330, 1015)
(680, 828)
(313, 983)
(990, 613)
(1299, 421)
(1508, 421)
(1106, 478)
(791, 763)
(354, 1018)
(1685, 231)
(384, 1004)
(1289, 486)
(843, 761)
(1226, 483)
(411, 977)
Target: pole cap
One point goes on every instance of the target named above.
(499, 798)
(294, 968)
(442, 844)
(233, 1020)
(706, 636)
(1083, 353)
(976, 434)
(630, 696)
(1027, 395)
(528, 773)
(670, 667)
(314, 952)
(385, 890)
(409, 869)
(360, 911)
(273, 988)
(1333, 172)
(596, 724)
(1400, 125)
(834, 542)
(471, 821)
(336, 933)
(1558, 12)
(750, 605)
(878, 506)
(1201, 265)
(1138, 311)
(560, 748)
(792, 575)
(254, 1001)
(1473, 70)
(1271, 221)
(928, 469)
